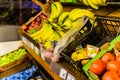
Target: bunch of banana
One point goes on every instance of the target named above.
(58, 29)
(44, 33)
(79, 55)
(94, 3)
(79, 13)
(47, 34)
(67, 24)
(56, 10)
(48, 43)
(76, 14)
(62, 17)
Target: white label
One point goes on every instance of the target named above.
(28, 43)
(63, 73)
(36, 50)
(24, 39)
(32, 46)
(42, 56)
(70, 77)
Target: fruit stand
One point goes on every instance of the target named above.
(67, 37)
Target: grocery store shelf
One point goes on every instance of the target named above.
(67, 71)
(43, 63)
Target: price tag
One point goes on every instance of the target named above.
(43, 56)
(70, 77)
(28, 43)
(32, 46)
(63, 73)
(24, 39)
(36, 50)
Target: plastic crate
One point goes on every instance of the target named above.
(106, 31)
(113, 2)
(111, 24)
(86, 67)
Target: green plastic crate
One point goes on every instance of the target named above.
(71, 2)
(67, 0)
(86, 67)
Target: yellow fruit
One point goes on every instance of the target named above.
(74, 56)
(84, 62)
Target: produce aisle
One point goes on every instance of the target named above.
(66, 40)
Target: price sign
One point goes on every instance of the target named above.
(70, 77)
(63, 73)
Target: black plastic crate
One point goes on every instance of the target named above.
(111, 25)
(106, 31)
(113, 2)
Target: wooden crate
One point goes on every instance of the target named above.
(14, 63)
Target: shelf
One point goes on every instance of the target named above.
(66, 71)
(43, 63)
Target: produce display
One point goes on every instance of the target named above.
(55, 25)
(12, 56)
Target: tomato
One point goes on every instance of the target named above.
(118, 58)
(108, 57)
(24, 27)
(110, 75)
(119, 71)
(113, 65)
(97, 67)
(117, 78)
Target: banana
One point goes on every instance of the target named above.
(73, 12)
(92, 5)
(93, 23)
(83, 13)
(39, 36)
(67, 24)
(61, 33)
(46, 34)
(47, 45)
(56, 27)
(98, 2)
(95, 2)
(62, 17)
(56, 36)
(79, 13)
(53, 12)
(74, 56)
(38, 32)
(76, 22)
(79, 54)
(85, 2)
(57, 9)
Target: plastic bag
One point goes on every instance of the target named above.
(67, 38)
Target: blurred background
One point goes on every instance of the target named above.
(17, 12)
